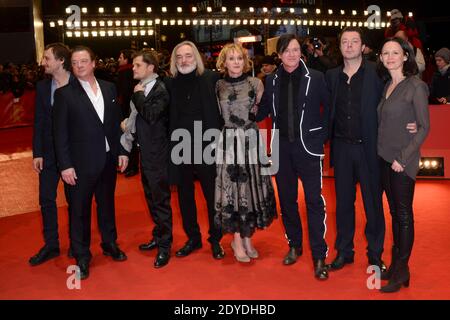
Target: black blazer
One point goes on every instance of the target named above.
(371, 95)
(211, 117)
(152, 123)
(43, 144)
(78, 131)
(312, 94)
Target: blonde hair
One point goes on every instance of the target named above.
(198, 58)
(223, 56)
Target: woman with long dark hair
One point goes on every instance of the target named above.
(405, 100)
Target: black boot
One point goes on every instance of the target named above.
(400, 277)
(388, 274)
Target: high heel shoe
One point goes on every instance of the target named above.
(251, 252)
(243, 258)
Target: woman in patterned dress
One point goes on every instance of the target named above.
(244, 196)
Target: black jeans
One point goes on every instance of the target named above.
(399, 189)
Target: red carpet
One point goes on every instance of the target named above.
(199, 276)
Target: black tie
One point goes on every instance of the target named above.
(291, 110)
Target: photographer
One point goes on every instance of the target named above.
(316, 58)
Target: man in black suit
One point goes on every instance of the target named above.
(86, 121)
(56, 62)
(151, 101)
(293, 97)
(193, 101)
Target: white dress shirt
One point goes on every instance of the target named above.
(97, 102)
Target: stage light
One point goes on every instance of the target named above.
(410, 14)
(84, 10)
(217, 22)
(180, 22)
(231, 21)
(285, 22)
(150, 32)
(354, 12)
(210, 22)
(224, 22)
(431, 166)
(195, 22)
(94, 33)
(126, 33)
(265, 10)
(194, 9)
(165, 22)
(110, 33)
(68, 10)
(164, 9)
(279, 22)
(134, 33)
(238, 9)
(224, 9)
(157, 21)
(118, 22)
(77, 34)
(366, 13)
(119, 33)
(126, 23)
(134, 23)
(69, 34)
(292, 10)
(172, 22)
(101, 10)
(60, 22)
(388, 13)
(142, 32)
(142, 23)
(117, 10)
(85, 23)
(317, 11)
(110, 23)
(179, 9)
(342, 12)
(133, 9)
(208, 9)
(85, 34)
(101, 23)
(149, 22)
(102, 33)
(238, 21)
(266, 21)
(278, 10)
(330, 11)
(305, 11)
(245, 22)
(52, 24)
(251, 9)
(149, 9)
(77, 24)
(252, 21)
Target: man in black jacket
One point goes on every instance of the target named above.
(193, 104)
(56, 61)
(86, 120)
(151, 100)
(355, 93)
(293, 97)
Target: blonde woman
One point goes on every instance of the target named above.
(244, 198)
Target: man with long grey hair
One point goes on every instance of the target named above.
(193, 103)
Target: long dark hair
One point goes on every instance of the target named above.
(410, 67)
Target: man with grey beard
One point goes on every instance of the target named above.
(193, 100)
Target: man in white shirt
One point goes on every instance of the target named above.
(86, 120)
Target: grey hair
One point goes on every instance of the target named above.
(198, 58)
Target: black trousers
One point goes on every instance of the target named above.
(186, 197)
(399, 189)
(48, 186)
(296, 163)
(133, 163)
(350, 167)
(155, 181)
(80, 196)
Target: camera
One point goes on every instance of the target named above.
(316, 43)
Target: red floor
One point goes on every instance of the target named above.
(199, 276)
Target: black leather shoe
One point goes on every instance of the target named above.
(320, 269)
(188, 248)
(112, 250)
(340, 262)
(379, 263)
(43, 255)
(84, 269)
(148, 246)
(162, 259)
(292, 256)
(217, 251)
